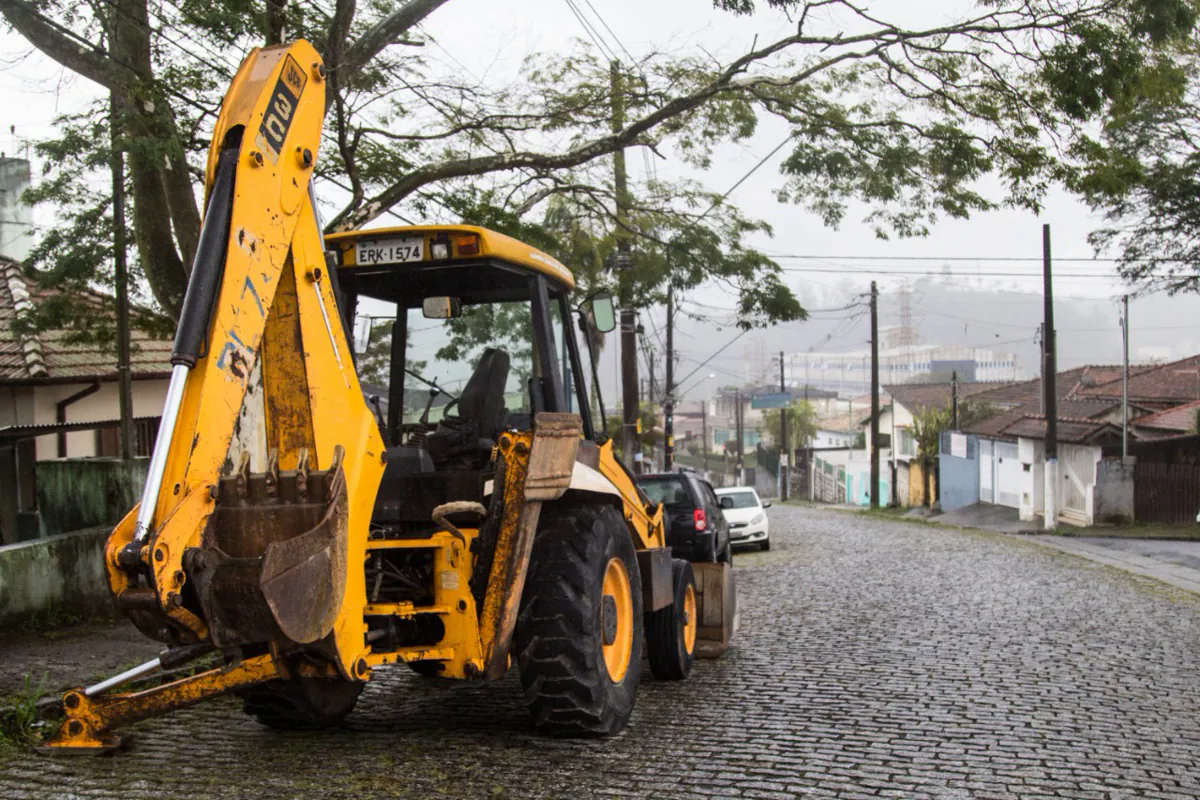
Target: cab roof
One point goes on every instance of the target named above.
(492, 245)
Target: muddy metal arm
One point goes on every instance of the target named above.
(267, 454)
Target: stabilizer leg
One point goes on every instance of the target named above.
(90, 721)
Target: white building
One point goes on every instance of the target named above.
(849, 373)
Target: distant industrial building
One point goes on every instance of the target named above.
(849, 372)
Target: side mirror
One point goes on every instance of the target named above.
(441, 307)
(726, 502)
(603, 313)
(767, 504)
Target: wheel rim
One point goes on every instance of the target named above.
(689, 619)
(616, 586)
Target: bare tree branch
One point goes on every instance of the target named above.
(382, 34)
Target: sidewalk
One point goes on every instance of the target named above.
(1173, 562)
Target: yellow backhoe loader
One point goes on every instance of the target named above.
(298, 537)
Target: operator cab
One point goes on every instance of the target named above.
(464, 333)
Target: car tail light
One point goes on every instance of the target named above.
(701, 519)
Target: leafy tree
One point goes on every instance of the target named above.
(802, 423)
(1143, 173)
(904, 119)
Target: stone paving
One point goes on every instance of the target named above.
(874, 659)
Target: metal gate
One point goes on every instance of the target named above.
(1078, 468)
(1167, 493)
(986, 492)
(1007, 475)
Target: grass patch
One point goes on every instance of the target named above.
(23, 717)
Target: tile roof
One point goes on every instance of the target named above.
(1177, 382)
(1180, 419)
(1076, 431)
(917, 397)
(1071, 384)
(50, 354)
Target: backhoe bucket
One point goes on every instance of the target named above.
(273, 564)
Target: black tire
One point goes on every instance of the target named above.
(766, 545)
(726, 555)
(670, 657)
(560, 629)
(301, 704)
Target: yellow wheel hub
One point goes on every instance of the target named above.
(689, 619)
(617, 619)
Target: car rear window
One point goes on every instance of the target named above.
(742, 499)
(666, 490)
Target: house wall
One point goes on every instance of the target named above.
(828, 438)
(104, 404)
(16, 463)
(958, 476)
(1114, 490)
(1033, 481)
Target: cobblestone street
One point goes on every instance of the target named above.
(874, 659)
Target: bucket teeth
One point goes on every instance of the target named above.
(243, 475)
(302, 473)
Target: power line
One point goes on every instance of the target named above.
(632, 60)
(909, 274)
(835, 258)
(604, 51)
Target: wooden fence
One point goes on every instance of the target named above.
(1168, 493)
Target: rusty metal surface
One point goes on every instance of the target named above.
(519, 520)
(658, 589)
(275, 559)
(716, 598)
(556, 438)
(90, 720)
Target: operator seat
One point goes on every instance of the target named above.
(479, 413)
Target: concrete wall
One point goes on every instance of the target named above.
(74, 494)
(1031, 453)
(64, 574)
(104, 404)
(959, 477)
(1114, 490)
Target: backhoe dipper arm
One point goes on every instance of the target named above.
(216, 554)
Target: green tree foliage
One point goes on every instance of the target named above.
(1143, 172)
(904, 120)
(802, 424)
(930, 422)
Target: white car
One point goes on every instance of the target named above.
(746, 515)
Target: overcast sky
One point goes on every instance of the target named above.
(490, 39)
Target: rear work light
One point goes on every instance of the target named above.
(466, 245)
(701, 519)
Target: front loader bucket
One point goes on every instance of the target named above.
(273, 564)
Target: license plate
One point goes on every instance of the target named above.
(390, 251)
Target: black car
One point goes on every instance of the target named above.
(696, 528)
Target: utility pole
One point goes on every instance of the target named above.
(669, 395)
(121, 275)
(783, 435)
(737, 411)
(954, 400)
(1049, 385)
(1125, 379)
(874, 396)
(629, 368)
(704, 432)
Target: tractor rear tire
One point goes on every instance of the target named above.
(302, 704)
(671, 631)
(579, 632)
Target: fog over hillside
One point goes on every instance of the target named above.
(943, 309)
